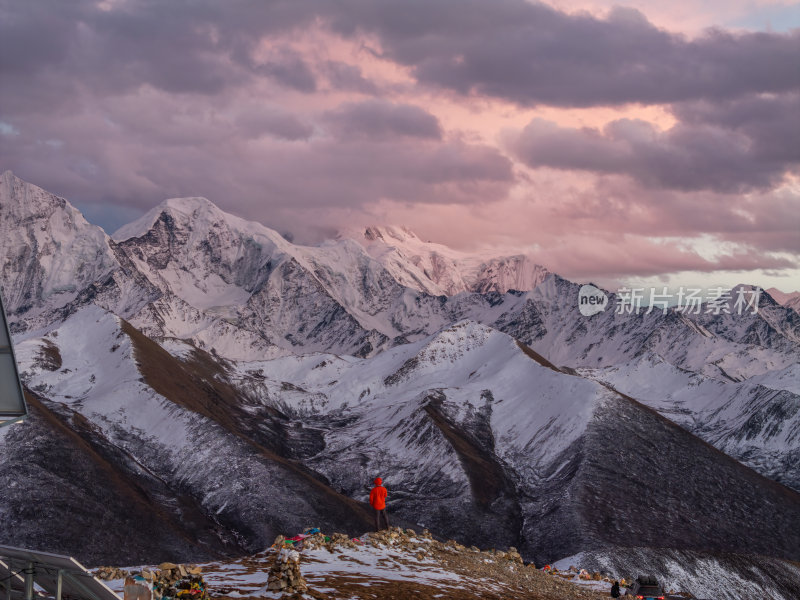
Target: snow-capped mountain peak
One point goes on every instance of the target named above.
(48, 251)
(439, 270)
(193, 213)
(389, 233)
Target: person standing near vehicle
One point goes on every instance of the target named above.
(377, 498)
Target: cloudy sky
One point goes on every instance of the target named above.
(629, 143)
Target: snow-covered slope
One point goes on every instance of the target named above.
(510, 446)
(725, 346)
(207, 258)
(187, 270)
(477, 437)
(451, 417)
(756, 421)
(165, 436)
(330, 297)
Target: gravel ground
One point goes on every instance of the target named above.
(398, 564)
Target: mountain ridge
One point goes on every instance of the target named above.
(465, 427)
(301, 371)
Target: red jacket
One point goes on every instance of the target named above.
(377, 497)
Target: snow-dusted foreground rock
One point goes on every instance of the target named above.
(396, 564)
(404, 563)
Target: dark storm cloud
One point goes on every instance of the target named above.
(145, 152)
(181, 46)
(520, 51)
(109, 52)
(769, 121)
(348, 78)
(533, 54)
(382, 120)
(276, 123)
(332, 173)
(731, 148)
(328, 173)
(767, 220)
(35, 35)
(288, 68)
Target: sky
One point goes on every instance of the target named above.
(640, 143)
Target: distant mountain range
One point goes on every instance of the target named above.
(198, 384)
(791, 300)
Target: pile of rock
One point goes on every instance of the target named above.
(331, 543)
(285, 571)
(284, 576)
(171, 581)
(316, 541)
(170, 572)
(514, 556)
(109, 573)
(510, 555)
(574, 571)
(584, 575)
(408, 539)
(424, 544)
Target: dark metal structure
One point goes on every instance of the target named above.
(12, 399)
(25, 574)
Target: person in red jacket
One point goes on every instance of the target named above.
(377, 498)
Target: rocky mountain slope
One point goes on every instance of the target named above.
(757, 420)
(723, 576)
(497, 434)
(478, 437)
(791, 300)
(108, 401)
(188, 270)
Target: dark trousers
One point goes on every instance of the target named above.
(378, 514)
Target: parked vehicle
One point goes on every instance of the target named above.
(646, 587)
